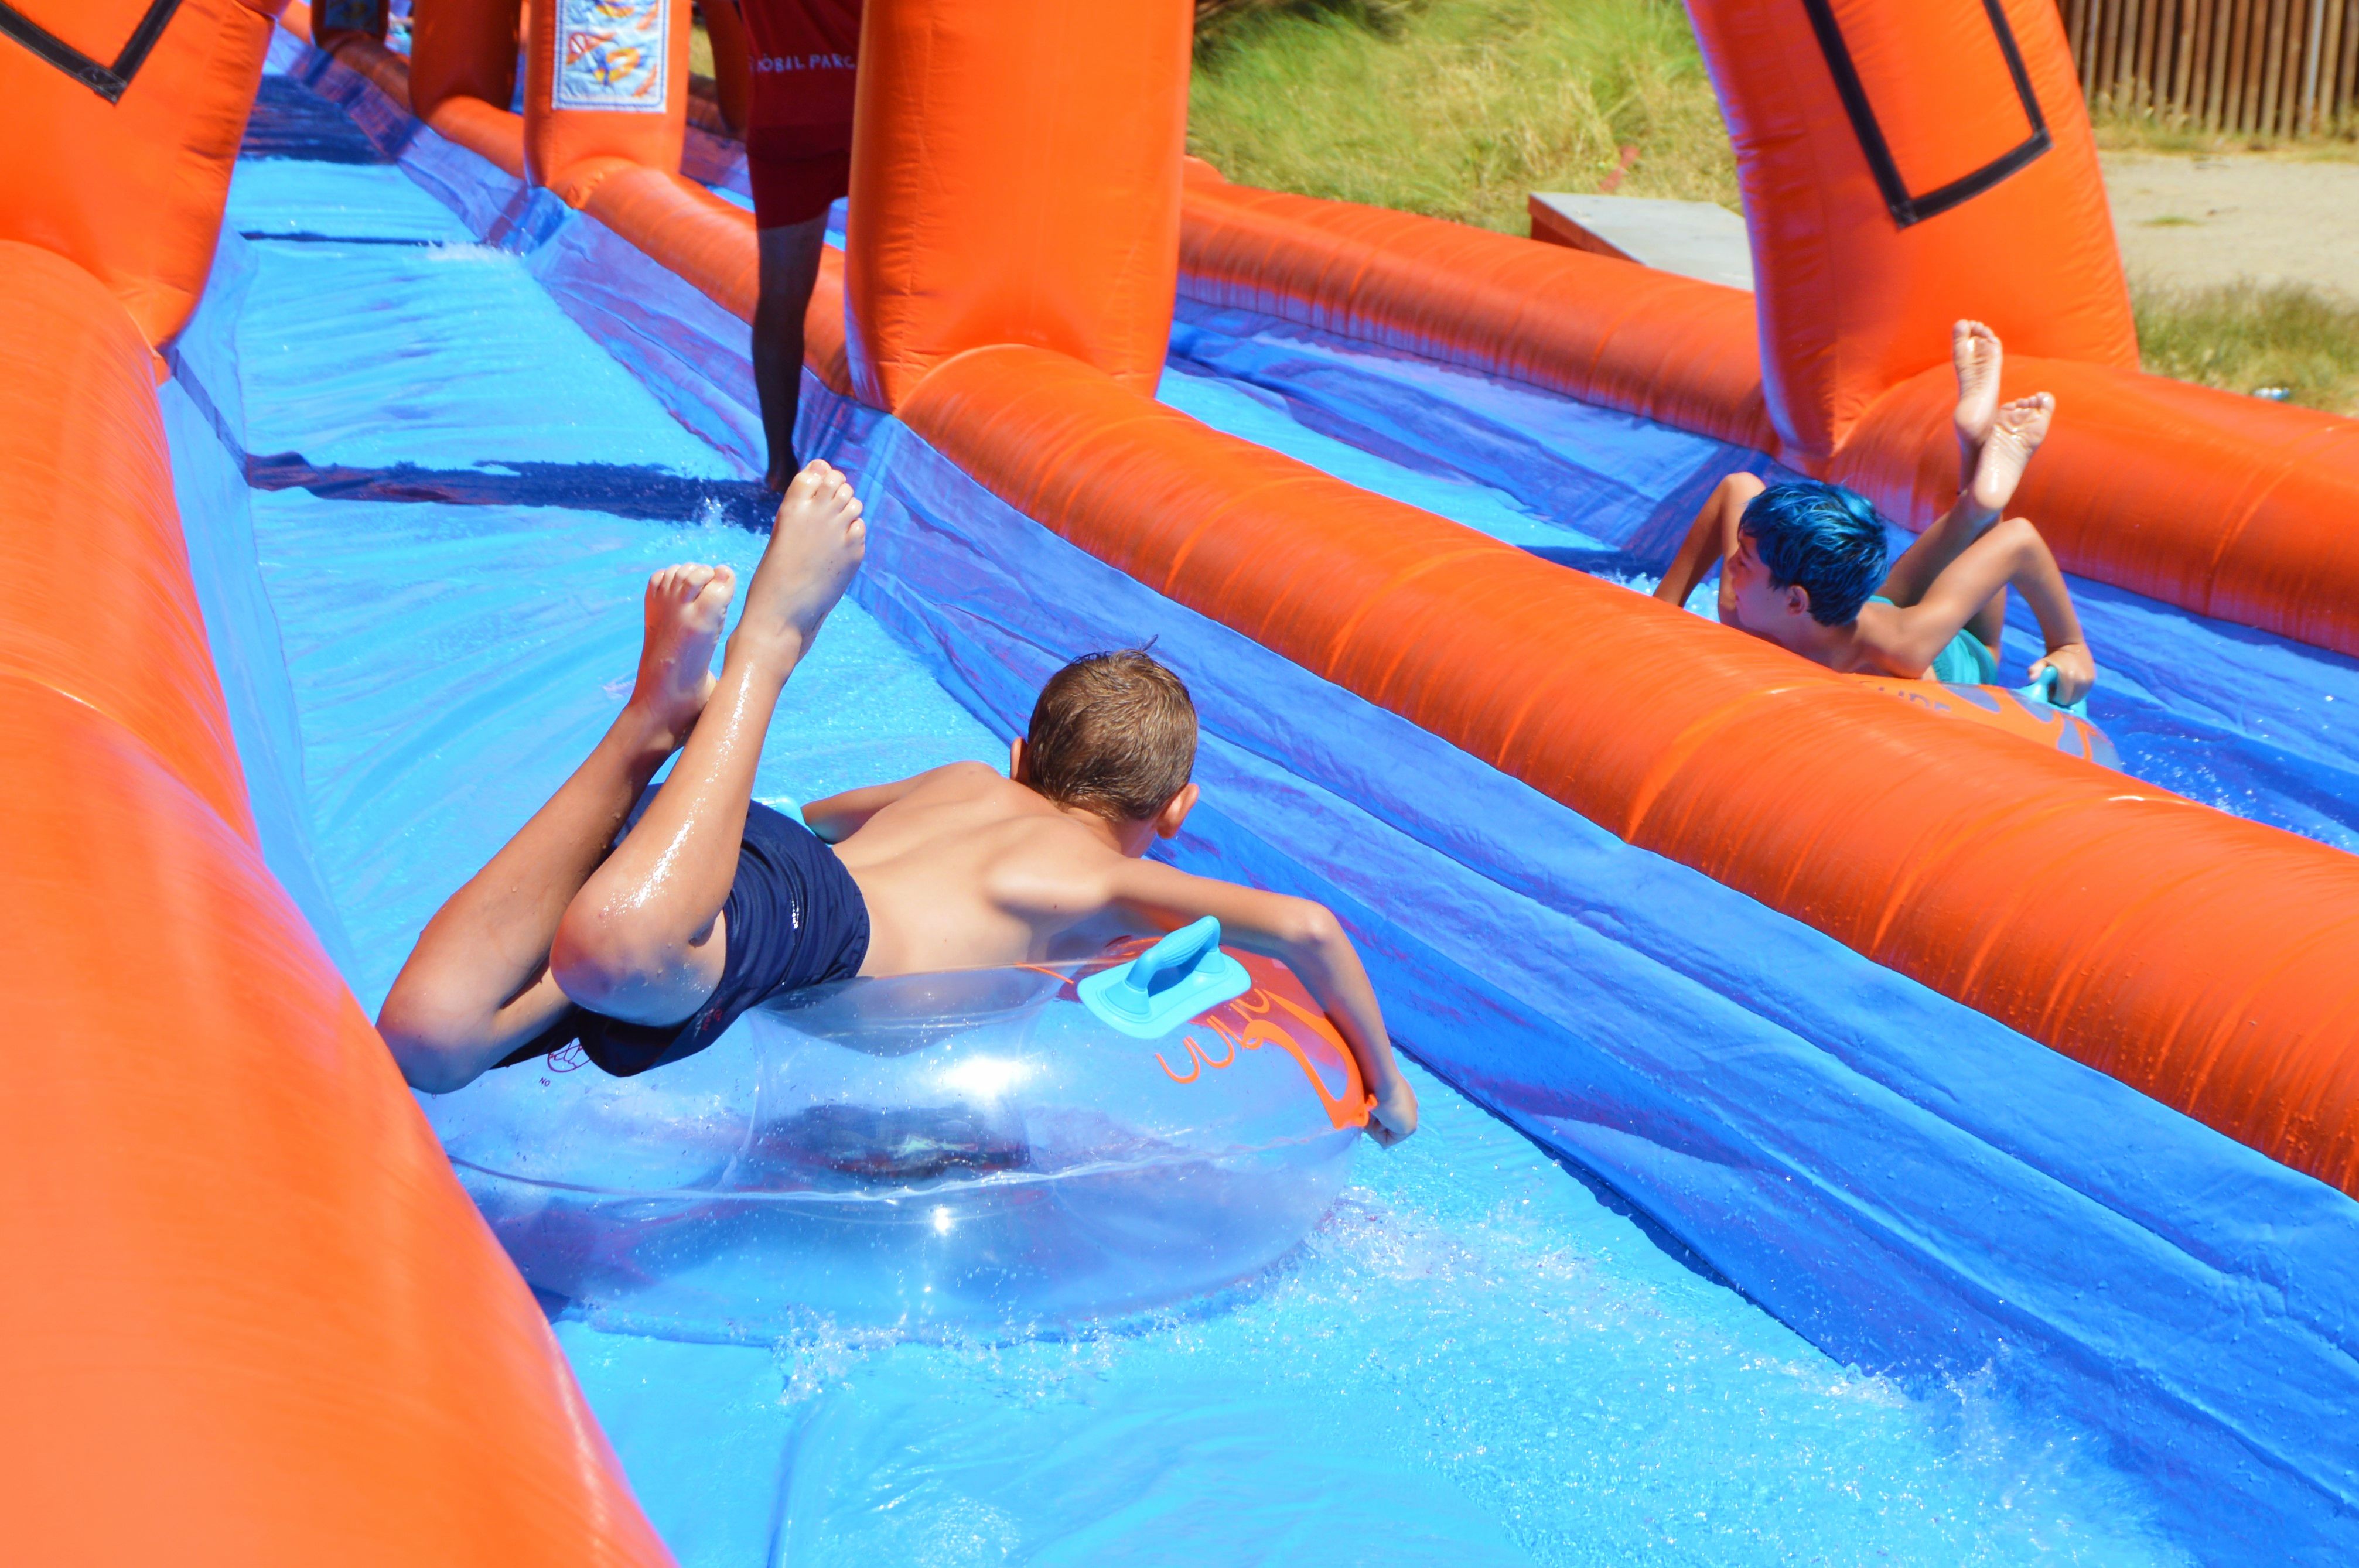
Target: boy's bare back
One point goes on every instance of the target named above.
(962, 869)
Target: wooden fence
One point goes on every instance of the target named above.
(2265, 67)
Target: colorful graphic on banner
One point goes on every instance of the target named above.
(610, 54)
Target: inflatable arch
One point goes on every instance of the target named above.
(262, 1289)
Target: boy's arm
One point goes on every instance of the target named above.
(2013, 552)
(1712, 538)
(1153, 899)
(838, 817)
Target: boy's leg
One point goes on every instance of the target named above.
(477, 984)
(788, 256)
(2014, 434)
(1975, 354)
(1989, 623)
(644, 940)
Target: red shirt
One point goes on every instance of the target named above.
(802, 67)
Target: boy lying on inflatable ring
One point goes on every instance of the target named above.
(1797, 559)
(642, 922)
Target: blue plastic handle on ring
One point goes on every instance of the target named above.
(1181, 975)
(2043, 689)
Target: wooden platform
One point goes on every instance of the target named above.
(1695, 239)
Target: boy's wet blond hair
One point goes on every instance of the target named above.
(1114, 734)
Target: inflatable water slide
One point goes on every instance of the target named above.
(1853, 1132)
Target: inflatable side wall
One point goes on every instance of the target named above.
(1016, 182)
(461, 47)
(1905, 165)
(1592, 327)
(462, 69)
(124, 120)
(252, 1288)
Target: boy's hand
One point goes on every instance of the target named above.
(2075, 671)
(1394, 1116)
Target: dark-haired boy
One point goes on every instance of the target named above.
(1802, 564)
(645, 949)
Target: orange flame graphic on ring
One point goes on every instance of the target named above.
(1253, 1027)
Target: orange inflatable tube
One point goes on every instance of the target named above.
(1606, 330)
(1997, 708)
(463, 65)
(124, 127)
(251, 1282)
(1016, 198)
(706, 240)
(1904, 164)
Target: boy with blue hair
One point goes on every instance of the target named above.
(1802, 564)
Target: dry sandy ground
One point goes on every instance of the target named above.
(2191, 221)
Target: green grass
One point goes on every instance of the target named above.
(2242, 337)
(1458, 108)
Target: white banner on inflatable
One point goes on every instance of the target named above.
(610, 55)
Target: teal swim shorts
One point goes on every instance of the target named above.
(1965, 662)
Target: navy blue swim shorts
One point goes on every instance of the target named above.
(795, 918)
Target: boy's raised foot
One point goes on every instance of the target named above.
(1976, 352)
(2014, 434)
(686, 605)
(816, 544)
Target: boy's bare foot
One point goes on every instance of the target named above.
(686, 606)
(2015, 434)
(1974, 351)
(816, 543)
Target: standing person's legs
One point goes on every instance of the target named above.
(478, 983)
(789, 267)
